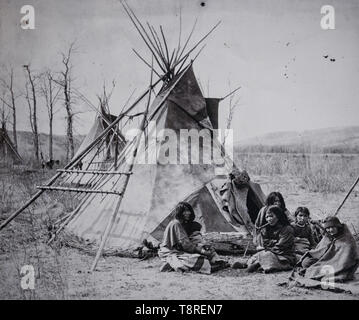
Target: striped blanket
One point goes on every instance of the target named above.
(183, 261)
(179, 251)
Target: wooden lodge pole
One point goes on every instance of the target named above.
(346, 197)
(115, 212)
(79, 157)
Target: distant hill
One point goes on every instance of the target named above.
(329, 140)
(25, 145)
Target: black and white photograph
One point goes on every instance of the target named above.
(179, 150)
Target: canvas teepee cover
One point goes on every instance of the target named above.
(155, 189)
(100, 157)
(8, 153)
(97, 156)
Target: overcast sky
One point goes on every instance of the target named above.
(273, 49)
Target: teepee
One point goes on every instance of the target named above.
(133, 197)
(100, 157)
(8, 153)
(155, 188)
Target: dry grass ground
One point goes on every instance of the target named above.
(62, 272)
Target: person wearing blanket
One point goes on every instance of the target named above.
(275, 243)
(337, 249)
(183, 248)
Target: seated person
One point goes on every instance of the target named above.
(182, 248)
(337, 249)
(303, 233)
(275, 244)
(274, 198)
(232, 194)
(193, 230)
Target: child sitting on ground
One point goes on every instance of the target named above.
(303, 234)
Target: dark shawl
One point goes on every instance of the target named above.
(279, 240)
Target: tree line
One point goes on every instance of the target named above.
(54, 88)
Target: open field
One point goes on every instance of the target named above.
(325, 173)
(318, 182)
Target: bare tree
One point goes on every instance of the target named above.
(4, 113)
(9, 99)
(50, 91)
(32, 104)
(65, 81)
(232, 106)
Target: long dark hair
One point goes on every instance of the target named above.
(304, 210)
(280, 214)
(182, 207)
(271, 199)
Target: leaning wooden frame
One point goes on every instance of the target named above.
(173, 67)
